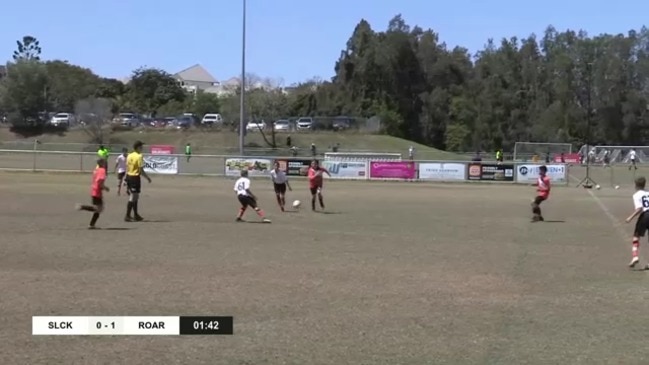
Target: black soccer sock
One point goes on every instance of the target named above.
(135, 211)
(94, 218)
(88, 208)
(313, 203)
(129, 208)
(536, 209)
(321, 201)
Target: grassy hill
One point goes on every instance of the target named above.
(226, 142)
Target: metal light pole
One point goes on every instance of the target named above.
(242, 111)
(587, 182)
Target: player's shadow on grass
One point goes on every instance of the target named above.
(321, 212)
(116, 229)
(156, 221)
(554, 221)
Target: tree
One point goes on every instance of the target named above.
(69, 84)
(150, 89)
(204, 103)
(95, 113)
(24, 93)
(28, 49)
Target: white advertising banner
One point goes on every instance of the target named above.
(529, 173)
(161, 164)
(255, 166)
(442, 171)
(347, 169)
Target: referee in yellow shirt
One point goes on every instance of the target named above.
(134, 169)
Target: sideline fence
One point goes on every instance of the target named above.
(351, 169)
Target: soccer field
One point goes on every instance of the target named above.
(395, 273)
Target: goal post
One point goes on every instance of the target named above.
(525, 151)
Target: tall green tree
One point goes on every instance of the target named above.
(24, 92)
(150, 88)
(28, 49)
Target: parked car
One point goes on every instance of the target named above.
(341, 123)
(128, 119)
(147, 122)
(212, 118)
(255, 125)
(282, 125)
(184, 122)
(62, 120)
(305, 123)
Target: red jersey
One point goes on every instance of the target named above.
(98, 178)
(315, 177)
(543, 186)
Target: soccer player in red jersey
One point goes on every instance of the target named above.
(315, 182)
(543, 192)
(96, 192)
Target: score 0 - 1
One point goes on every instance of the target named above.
(106, 325)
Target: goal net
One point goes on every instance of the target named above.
(525, 151)
(616, 154)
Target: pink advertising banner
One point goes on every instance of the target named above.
(393, 170)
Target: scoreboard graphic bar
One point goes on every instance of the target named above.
(132, 326)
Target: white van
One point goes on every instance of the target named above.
(212, 119)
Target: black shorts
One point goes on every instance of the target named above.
(641, 225)
(539, 199)
(314, 191)
(280, 188)
(247, 201)
(120, 176)
(97, 200)
(134, 184)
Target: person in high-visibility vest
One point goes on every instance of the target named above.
(188, 151)
(499, 156)
(103, 153)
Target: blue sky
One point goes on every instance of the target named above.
(290, 40)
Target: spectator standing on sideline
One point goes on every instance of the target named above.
(103, 153)
(411, 153)
(313, 150)
(188, 151)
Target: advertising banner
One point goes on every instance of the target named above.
(529, 173)
(442, 171)
(491, 172)
(567, 158)
(295, 166)
(162, 149)
(160, 164)
(392, 170)
(346, 169)
(255, 166)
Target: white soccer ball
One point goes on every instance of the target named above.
(617, 187)
(597, 187)
(296, 204)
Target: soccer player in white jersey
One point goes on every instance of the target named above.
(120, 169)
(247, 198)
(641, 206)
(632, 158)
(280, 183)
